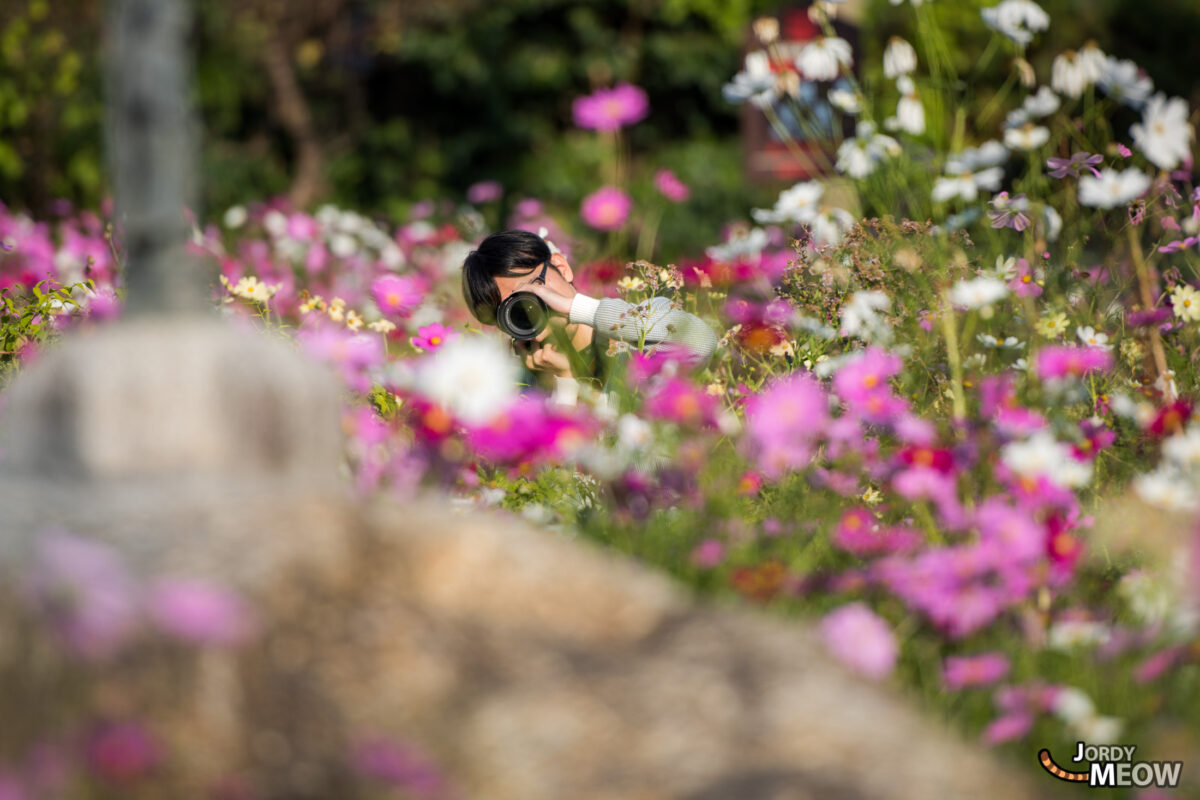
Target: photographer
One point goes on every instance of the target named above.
(571, 342)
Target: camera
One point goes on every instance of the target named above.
(523, 315)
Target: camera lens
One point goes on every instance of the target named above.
(522, 316)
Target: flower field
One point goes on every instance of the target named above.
(952, 418)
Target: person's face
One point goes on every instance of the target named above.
(556, 278)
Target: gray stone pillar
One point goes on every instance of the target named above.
(152, 152)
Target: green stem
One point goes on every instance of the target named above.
(950, 331)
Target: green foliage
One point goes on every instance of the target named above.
(50, 109)
(27, 319)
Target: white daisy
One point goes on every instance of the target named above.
(824, 58)
(966, 185)
(1016, 19)
(899, 58)
(910, 114)
(1026, 137)
(1164, 135)
(1125, 81)
(977, 292)
(1113, 188)
(755, 82)
(797, 204)
(1093, 339)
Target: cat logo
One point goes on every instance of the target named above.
(1113, 765)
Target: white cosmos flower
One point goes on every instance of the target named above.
(1164, 135)
(275, 223)
(1043, 455)
(1091, 60)
(235, 217)
(988, 154)
(1042, 104)
(343, 245)
(845, 100)
(1125, 81)
(1183, 449)
(977, 292)
(755, 82)
(1167, 489)
(899, 58)
(967, 184)
(1071, 74)
(1113, 188)
(1093, 339)
(830, 226)
(797, 204)
(1054, 222)
(746, 244)
(861, 316)
(859, 156)
(1071, 633)
(1017, 19)
(473, 377)
(823, 58)
(1026, 137)
(910, 114)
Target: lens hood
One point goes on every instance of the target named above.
(523, 315)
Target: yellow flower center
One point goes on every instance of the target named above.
(435, 340)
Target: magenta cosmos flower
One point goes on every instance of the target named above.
(1070, 361)
(398, 294)
(784, 422)
(960, 672)
(121, 752)
(606, 209)
(670, 187)
(611, 109)
(431, 337)
(199, 612)
(862, 641)
(85, 592)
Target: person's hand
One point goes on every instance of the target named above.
(555, 301)
(544, 357)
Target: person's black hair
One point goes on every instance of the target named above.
(504, 254)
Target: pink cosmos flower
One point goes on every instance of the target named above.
(121, 752)
(862, 641)
(1075, 165)
(529, 430)
(401, 767)
(431, 337)
(670, 187)
(11, 788)
(863, 386)
(1024, 283)
(1013, 530)
(1156, 665)
(682, 402)
(199, 612)
(708, 554)
(861, 534)
(353, 355)
(606, 209)
(1008, 727)
(961, 589)
(484, 192)
(1063, 361)
(960, 672)
(611, 109)
(398, 294)
(85, 592)
(784, 422)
